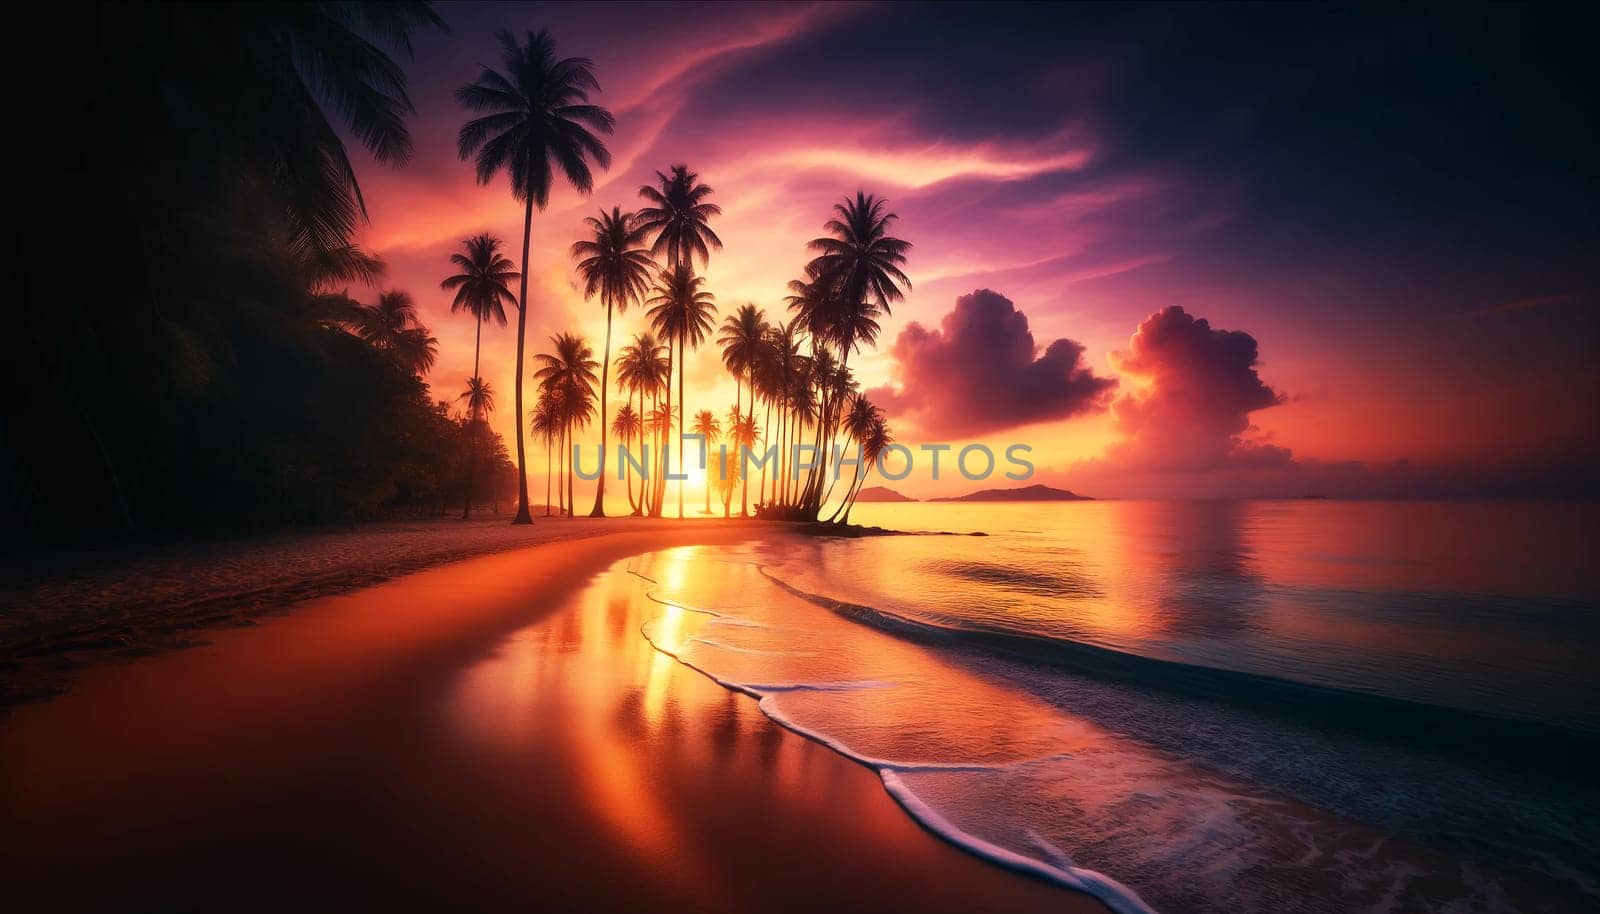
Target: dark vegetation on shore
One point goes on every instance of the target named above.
(190, 360)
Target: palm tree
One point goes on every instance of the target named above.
(391, 326)
(873, 445)
(569, 370)
(741, 339)
(545, 425)
(642, 369)
(314, 73)
(857, 425)
(536, 119)
(859, 262)
(480, 400)
(856, 275)
(742, 433)
(678, 217)
(682, 311)
(481, 290)
(707, 427)
(730, 472)
(479, 396)
(481, 286)
(615, 266)
(627, 425)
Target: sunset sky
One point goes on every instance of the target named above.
(1387, 225)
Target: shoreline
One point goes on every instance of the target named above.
(66, 610)
(329, 753)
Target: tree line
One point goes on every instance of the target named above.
(534, 121)
(190, 358)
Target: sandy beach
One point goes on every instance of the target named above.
(490, 732)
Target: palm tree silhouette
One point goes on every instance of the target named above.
(709, 429)
(537, 119)
(479, 396)
(295, 64)
(545, 425)
(391, 326)
(742, 433)
(615, 266)
(741, 339)
(857, 425)
(643, 369)
(481, 286)
(480, 400)
(481, 291)
(855, 276)
(678, 217)
(628, 425)
(681, 311)
(569, 371)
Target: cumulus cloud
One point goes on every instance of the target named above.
(981, 372)
(1194, 390)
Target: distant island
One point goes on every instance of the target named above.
(1025, 493)
(881, 493)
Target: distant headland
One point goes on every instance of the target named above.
(1024, 493)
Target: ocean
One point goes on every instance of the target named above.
(1195, 706)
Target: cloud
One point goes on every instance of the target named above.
(1194, 390)
(981, 372)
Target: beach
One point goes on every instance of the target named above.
(483, 733)
(63, 609)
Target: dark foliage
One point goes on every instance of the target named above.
(180, 362)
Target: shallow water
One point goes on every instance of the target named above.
(1078, 758)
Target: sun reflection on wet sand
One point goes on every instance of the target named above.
(408, 745)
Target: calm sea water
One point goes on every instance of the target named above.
(1196, 706)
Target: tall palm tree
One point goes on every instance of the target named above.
(681, 311)
(859, 262)
(480, 400)
(709, 429)
(742, 433)
(857, 424)
(741, 338)
(536, 118)
(481, 291)
(481, 286)
(545, 425)
(627, 425)
(615, 266)
(569, 371)
(855, 275)
(873, 445)
(642, 369)
(678, 217)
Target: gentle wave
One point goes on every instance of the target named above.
(1113, 894)
(1528, 743)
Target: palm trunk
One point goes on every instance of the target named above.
(605, 383)
(640, 509)
(744, 475)
(683, 422)
(666, 438)
(561, 477)
(765, 498)
(547, 464)
(523, 517)
(572, 471)
(472, 445)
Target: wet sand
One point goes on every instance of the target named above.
(490, 733)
